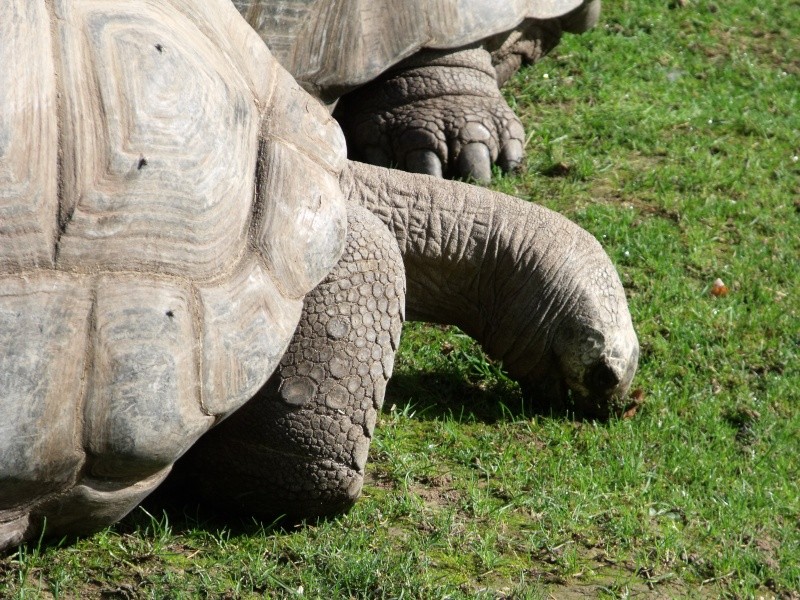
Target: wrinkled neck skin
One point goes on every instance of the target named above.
(534, 289)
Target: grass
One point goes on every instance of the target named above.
(671, 132)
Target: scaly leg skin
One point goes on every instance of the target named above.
(439, 113)
(526, 45)
(300, 446)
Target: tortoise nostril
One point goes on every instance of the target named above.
(603, 377)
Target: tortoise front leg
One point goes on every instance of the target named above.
(300, 446)
(439, 112)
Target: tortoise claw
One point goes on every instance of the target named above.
(475, 161)
(511, 156)
(424, 161)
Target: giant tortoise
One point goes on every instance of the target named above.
(426, 73)
(170, 199)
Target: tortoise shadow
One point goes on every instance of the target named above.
(447, 394)
(435, 395)
(430, 396)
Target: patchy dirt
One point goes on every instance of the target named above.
(437, 491)
(599, 576)
(620, 588)
(744, 421)
(558, 169)
(765, 44)
(767, 550)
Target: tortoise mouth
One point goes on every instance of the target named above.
(604, 408)
(559, 399)
(604, 391)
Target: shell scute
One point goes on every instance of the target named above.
(247, 324)
(332, 47)
(44, 324)
(164, 137)
(28, 138)
(311, 201)
(143, 408)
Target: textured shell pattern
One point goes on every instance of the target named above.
(168, 194)
(332, 46)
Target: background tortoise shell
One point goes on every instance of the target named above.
(333, 46)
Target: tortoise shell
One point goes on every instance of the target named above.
(333, 46)
(166, 202)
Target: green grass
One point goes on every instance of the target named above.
(673, 135)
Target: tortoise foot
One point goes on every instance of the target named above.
(439, 113)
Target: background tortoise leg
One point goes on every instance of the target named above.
(439, 112)
(299, 447)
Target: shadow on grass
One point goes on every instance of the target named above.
(448, 394)
(444, 394)
(434, 395)
(174, 505)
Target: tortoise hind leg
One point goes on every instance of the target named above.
(300, 446)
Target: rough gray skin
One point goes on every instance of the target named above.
(170, 198)
(537, 291)
(534, 289)
(439, 113)
(417, 82)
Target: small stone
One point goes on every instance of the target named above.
(718, 288)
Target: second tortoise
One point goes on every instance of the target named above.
(418, 81)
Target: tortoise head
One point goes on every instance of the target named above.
(597, 366)
(596, 349)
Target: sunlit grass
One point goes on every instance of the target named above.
(673, 135)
